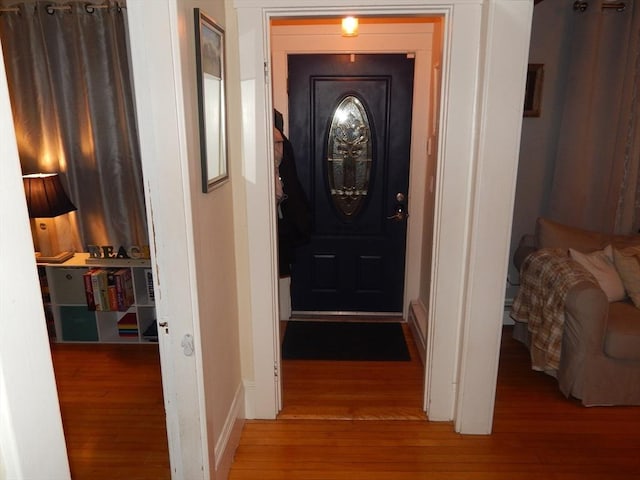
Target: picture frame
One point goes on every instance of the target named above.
(533, 90)
(210, 79)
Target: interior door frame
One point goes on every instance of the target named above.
(486, 46)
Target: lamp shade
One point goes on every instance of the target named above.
(45, 196)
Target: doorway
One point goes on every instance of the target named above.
(418, 42)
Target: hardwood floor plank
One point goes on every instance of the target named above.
(537, 434)
(351, 390)
(113, 415)
(112, 411)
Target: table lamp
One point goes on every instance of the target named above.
(46, 200)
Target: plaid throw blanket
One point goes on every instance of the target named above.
(546, 277)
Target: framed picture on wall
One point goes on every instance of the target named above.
(533, 90)
(210, 79)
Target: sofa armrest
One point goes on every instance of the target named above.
(586, 314)
(586, 311)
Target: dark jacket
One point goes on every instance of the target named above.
(294, 212)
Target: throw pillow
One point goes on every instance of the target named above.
(627, 263)
(600, 265)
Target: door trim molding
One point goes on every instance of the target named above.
(472, 169)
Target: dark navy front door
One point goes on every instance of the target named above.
(350, 126)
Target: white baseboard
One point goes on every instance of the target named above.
(230, 436)
(249, 396)
(418, 316)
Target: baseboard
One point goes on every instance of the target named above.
(230, 436)
(417, 317)
(506, 316)
(249, 396)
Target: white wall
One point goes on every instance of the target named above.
(31, 436)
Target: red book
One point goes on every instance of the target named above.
(88, 290)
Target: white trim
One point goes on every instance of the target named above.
(500, 121)
(460, 233)
(418, 316)
(31, 433)
(249, 398)
(229, 438)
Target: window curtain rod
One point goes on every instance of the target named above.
(581, 6)
(50, 8)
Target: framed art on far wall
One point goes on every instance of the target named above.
(210, 79)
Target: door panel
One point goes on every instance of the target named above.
(356, 259)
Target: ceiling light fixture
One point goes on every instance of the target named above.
(349, 27)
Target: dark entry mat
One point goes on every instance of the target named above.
(368, 341)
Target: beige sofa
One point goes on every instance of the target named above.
(599, 352)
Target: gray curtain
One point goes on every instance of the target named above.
(595, 181)
(72, 100)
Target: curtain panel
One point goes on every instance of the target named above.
(597, 159)
(72, 99)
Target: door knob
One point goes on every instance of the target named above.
(400, 213)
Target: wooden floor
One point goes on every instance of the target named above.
(538, 434)
(112, 411)
(354, 390)
(111, 401)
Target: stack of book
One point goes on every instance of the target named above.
(128, 325)
(108, 289)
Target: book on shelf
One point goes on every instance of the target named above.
(124, 289)
(128, 325)
(100, 286)
(148, 276)
(108, 289)
(88, 289)
(112, 290)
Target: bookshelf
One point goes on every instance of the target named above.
(123, 315)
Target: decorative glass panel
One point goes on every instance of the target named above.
(349, 156)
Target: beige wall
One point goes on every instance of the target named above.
(214, 239)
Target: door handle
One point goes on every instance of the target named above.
(400, 213)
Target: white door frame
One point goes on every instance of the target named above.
(415, 39)
(484, 67)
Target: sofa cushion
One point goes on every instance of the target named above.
(600, 265)
(627, 263)
(622, 338)
(551, 234)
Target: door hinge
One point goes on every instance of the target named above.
(266, 72)
(275, 370)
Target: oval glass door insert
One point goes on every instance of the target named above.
(349, 156)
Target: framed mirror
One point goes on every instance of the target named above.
(211, 100)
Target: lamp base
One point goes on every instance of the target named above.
(59, 258)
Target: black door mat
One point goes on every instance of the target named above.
(360, 341)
